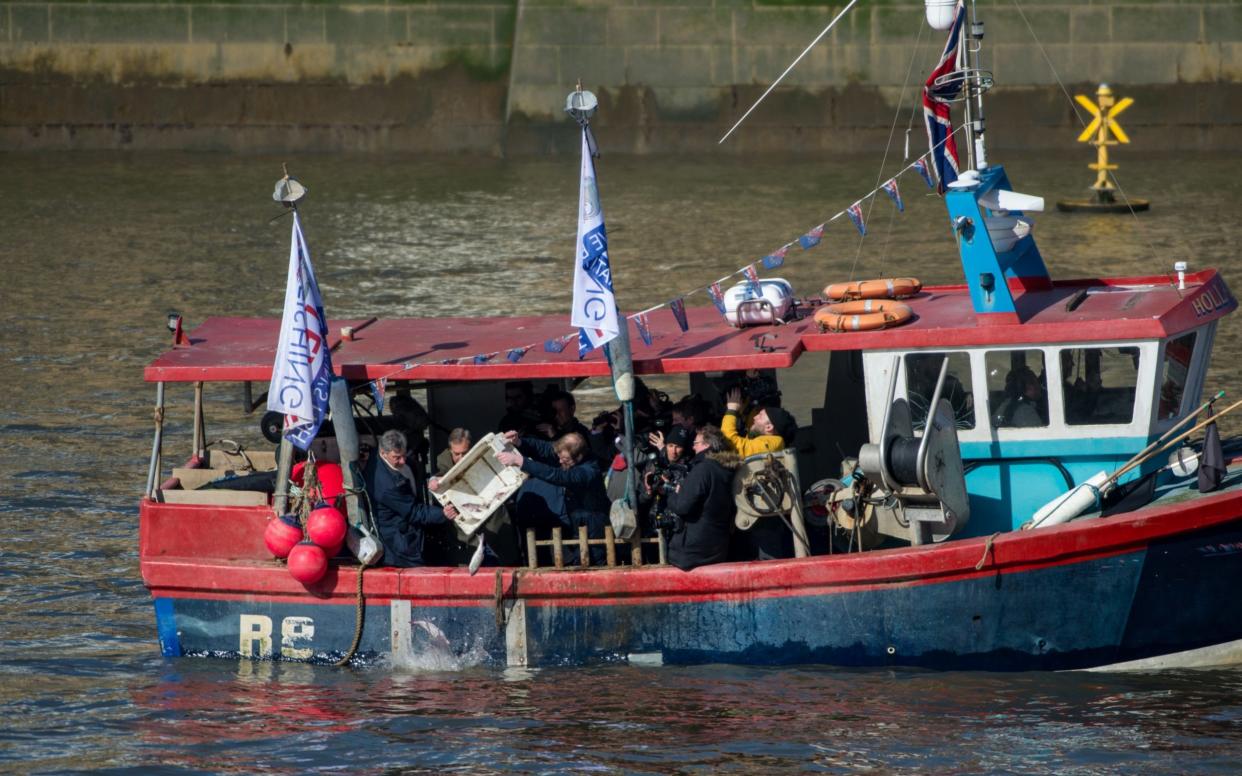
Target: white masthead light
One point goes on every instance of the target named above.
(940, 13)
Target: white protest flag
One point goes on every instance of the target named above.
(302, 374)
(595, 307)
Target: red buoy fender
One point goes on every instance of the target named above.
(308, 563)
(281, 534)
(326, 526)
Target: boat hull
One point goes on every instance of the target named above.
(1123, 590)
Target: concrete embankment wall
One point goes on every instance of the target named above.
(492, 76)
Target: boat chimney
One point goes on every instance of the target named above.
(1180, 268)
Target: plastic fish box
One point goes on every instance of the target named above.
(478, 484)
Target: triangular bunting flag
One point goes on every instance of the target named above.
(855, 213)
(775, 258)
(556, 345)
(585, 343)
(717, 296)
(890, 188)
(811, 238)
(752, 277)
(483, 358)
(644, 328)
(515, 355)
(678, 307)
(921, 166)
(378, 387)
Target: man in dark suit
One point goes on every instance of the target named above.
(397, 502)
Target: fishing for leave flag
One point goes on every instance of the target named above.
(302, 373)
(855, 213)
(936, 100)
(595, 307)
(890, 188)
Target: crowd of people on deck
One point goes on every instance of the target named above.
(684, 470)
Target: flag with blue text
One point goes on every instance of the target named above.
(594, 307)
(302, 373)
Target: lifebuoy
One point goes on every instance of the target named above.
(862, 315)
(884, 288)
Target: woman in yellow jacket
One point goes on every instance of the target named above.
(770, 428)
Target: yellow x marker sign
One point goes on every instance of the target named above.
(1094, 110)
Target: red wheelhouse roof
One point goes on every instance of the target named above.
(233, 349)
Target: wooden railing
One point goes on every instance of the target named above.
(584, 544)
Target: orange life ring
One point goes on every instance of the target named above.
(885, 288)
(862, 315)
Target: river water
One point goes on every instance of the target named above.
(96, 249)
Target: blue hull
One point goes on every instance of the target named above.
(1174, 595)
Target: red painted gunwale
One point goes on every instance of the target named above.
(1130, 308)
(199, 532)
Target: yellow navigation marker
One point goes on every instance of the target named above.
(1102, 132)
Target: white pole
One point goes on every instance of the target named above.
(791, 67)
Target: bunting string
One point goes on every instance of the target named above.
(747, 273)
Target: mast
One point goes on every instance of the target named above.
(976, 128)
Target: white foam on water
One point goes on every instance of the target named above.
(429, 650)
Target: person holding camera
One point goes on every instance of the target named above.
(701, 509)
(665, 463)
(771, 428)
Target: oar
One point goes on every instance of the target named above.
(1139, 457)
(1206, 422)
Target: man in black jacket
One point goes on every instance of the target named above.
(704, 504)
(397, 502)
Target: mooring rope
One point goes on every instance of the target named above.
(359, 618)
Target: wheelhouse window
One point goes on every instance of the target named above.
(1174, 374)
(1017, 388)
(1099, 385)
(922, 371)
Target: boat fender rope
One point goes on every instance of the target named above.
(159, 416)
(987, 550)
(359, 618)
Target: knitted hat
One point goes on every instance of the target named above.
(783, 423)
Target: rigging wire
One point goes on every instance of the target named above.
(892, 216)
(1070, 100)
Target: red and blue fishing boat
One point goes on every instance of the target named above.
(984, 480)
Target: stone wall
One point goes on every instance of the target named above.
(492, 76)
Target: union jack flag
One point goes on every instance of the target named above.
(921, 166)
(854, 211)
(752, 278)
(717, 296)
(644, 328)
(678, 307)
(515, 355)
(556, 345)
(936, 100)
(483, 358)
(890, 188)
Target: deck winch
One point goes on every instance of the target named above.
(905, 487)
